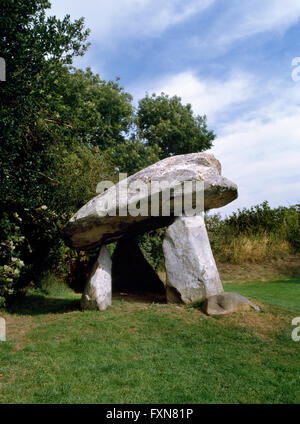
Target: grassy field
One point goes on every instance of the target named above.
(282, 293)
(142, 352)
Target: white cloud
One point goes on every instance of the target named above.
(207, 96)
(245, 19)
(259, 147)
(111, 19)
(238, 20)
(263, 157)
(257, 122)
(116, 19)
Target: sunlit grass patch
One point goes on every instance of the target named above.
(137, 352)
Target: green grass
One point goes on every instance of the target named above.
(283, 293)
(151, 353)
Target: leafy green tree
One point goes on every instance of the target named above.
(164, 121)
(49, 110)
(89, 117)
(64, 130)
(36, 48)
(90, 110)
(131, 156)
(37, 51)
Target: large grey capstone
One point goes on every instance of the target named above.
(95, 223)
(226, 303)
(191, 270)
(98, 291)
(2, 330)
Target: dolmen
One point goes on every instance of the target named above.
(174, 193)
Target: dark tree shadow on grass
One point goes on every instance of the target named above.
(36, 304)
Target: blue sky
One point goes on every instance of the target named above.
(232, 60)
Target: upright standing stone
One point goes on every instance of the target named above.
(97, 293)
(2, 330)
(192, 274)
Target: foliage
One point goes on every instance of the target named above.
(55, 121)
(36, 49)
(131, 156)
(256, 234)
(51, 285)
(250, 235)
(11, 262)
(151, 246)
(87, 109)
(261, 218)
(164, 121)
(63, 130)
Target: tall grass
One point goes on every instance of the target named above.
(255, 235)
(51, 285)
(255, 249)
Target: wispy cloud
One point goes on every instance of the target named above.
(119, 19)
(263, 159)
(244, 19)
(237, 21)
(203, 52)
(259, 147)
(206, 95)
(260, 151)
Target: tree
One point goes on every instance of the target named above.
(164, 121)
(99, 113)
(48, 109)
(36, 50)
(64, 130)
(131, 156)
(56, 123)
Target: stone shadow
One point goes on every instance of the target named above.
(133, 277)
(140, 297)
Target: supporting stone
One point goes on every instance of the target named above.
(97, 293)
(192, 274)
(131, 273)
(2, 330)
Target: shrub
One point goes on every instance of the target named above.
(151, 246)
(11, 263)
(256, 234)
(51, 285)
(31, 245)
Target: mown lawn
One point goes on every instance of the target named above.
(138, 352)
(283, 293)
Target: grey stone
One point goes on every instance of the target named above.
(2, 330)
(89, 227)
(191, 270)
(226, 303)
(97, 293)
